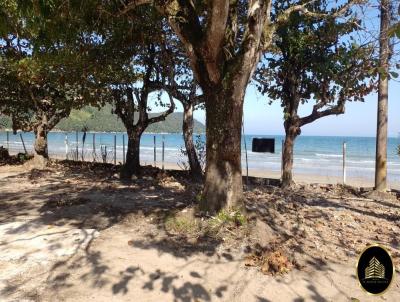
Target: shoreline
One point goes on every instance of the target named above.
(304, 173)
(299, 178)
(303, 178)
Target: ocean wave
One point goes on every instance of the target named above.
(304, 159)
(360, 161)
(328, 155)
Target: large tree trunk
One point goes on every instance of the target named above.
(287, 155)
(40, 146)
(187, 128)
(223, 178)
(382, 117)
(132, 163)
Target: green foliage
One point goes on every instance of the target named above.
(22, 157)
(41, 79)
(394, 31)
(183, 224)
(229, 217)
(218, 227)
(199, 147)
(398, 150)
(315, 59)
(102, 120)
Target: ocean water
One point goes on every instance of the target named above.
(316, 155)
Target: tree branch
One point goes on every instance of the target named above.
(258, 16)
(283, 17)
(218, 11)
(133, 4)
(57, 116)
(333, 110)
(162, 116)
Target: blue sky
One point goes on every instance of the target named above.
(358, 120)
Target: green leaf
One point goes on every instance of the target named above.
(394, 74)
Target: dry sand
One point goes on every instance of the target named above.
(70, 234)
(301, 178)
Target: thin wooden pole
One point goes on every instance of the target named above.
(47, 145)
(23, 143)
(77, 148)
(245, 148)
(94, 147)
(66, 147)
(123, 149)
(155, 165)
(115, 149)
(344, 163)
(83, 146)
(282, 146)
(163, 147)
(8, 141)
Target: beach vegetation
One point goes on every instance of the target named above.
(126, 48)
(41, 79)
(315, 61)
(103, 120)
(224, 42)
(184, 88)
(218, 226)
(198, 157)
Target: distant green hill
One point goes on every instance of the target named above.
(104, 120)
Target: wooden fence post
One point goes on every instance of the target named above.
(245, 148)
(23, 143)
(344, 163)
(282, 159)
(77, 148)
(115, 149)
(66, 147)
(163, 147)
(123, 148)
(94, 147)
(155, 165)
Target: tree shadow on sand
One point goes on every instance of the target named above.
(99, 205)
(78, 200)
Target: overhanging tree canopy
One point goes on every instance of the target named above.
(315, 60)
(224, 41)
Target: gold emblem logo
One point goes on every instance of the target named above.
(375, 270)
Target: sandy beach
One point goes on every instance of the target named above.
(317, 159)
(298, 178)
(76, 232)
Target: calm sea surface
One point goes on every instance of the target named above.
(319, 155)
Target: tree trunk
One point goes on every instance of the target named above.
(187, 128)
(132, 163)
(382, 116)
(223, 177)
(40, 146)
(287, 156)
